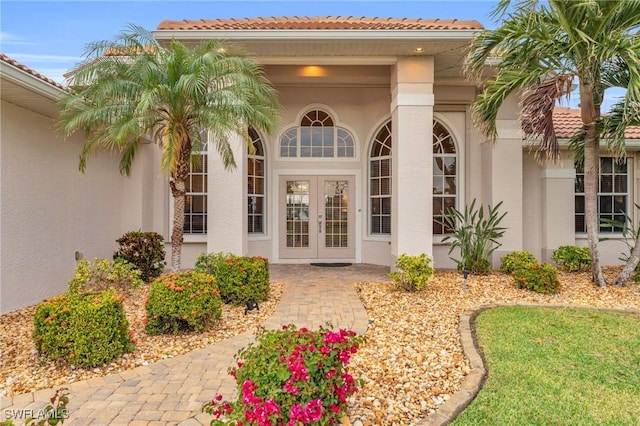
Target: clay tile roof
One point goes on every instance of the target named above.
(6, 59)
(320, 23)
(566, 121)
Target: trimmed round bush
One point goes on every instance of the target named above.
(145, 250)
(516, 260)
(238, 278)
(539, 278)
(85, 328)
(183, 301)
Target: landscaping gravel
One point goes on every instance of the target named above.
(22, 370)
(412, 361)
(410, 364)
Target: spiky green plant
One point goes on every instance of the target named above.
(475, 235)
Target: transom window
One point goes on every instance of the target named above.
(380, 182)
(445, 177)
(195, 209)
(613, 194)
(256, 184)
(317, 137)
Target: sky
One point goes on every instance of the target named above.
(51, 36)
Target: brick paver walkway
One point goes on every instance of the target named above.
(173, 391)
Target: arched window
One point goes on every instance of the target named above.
(317, 137)
(256, 185)
(445, 176)
(445, 179)
(380, 182)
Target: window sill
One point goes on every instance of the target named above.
(194, 239)
(378, 238)
(611, 236)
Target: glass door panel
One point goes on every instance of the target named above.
(336, 207)
(297, 200)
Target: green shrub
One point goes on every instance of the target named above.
(238, 278)
(412, 273)
(85, 328)
(145, 250)
(290, 376)
(516, 260)
(539, 278)
(209, 263)
(474, 235)
(182, 301)
(104, 274)
(572, 258)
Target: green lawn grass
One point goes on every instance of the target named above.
(554, 366)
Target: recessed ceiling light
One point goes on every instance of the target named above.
(312, 71)
(419, 49)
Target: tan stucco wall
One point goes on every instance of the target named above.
(49, 210)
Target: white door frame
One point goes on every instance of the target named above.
(275, 210)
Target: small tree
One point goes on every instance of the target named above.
(543, 48)
(132, 88)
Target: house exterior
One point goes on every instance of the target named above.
(375, 142)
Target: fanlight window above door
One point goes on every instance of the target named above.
(317, 137)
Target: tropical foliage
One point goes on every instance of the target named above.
(132, 89)
(541, 50)
(475, 235)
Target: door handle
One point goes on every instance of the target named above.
(319, 226)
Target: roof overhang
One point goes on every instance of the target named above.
(325, 35)
(27, 91)
(339, 47)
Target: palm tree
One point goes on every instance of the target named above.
(541, 51)
(132, 88)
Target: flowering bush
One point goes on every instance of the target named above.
(239, 278)
(290, 377)
(182, 301)
(85, 328)
(539, 278)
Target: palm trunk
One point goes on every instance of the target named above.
(591, 160)
(630, 266)
(589, 112)
(177, 230)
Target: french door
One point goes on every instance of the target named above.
(316, 217)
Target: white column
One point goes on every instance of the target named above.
(227, 201)
(506, 185)
(412, 164)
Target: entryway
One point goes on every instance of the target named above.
(316, 217)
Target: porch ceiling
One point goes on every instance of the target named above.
(372, 50)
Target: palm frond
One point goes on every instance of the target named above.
(536, 117)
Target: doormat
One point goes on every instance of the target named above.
(331, 265)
